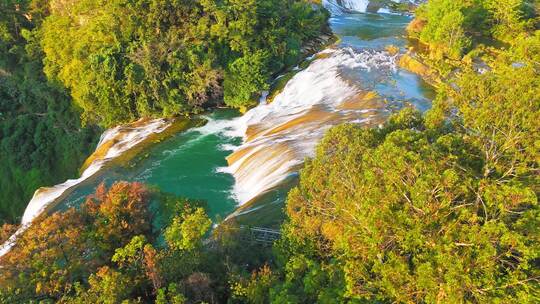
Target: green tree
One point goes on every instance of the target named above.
(406, 214)
(247, 77)
(445, 27)
(107, 286)
(41, 139)
(453, 28)
(186, 232)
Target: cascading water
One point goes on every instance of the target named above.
(118, 140)
(356, 81)
(278, 136)
(363, 6)
(354, 5)
(337, 6)
(112, 144)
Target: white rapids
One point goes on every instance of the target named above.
(114, 141)
(337, 6)
(278, 136)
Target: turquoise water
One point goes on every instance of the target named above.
(376, 32)
(190, 163)
(185, 164)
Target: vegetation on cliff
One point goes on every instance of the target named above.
(125, 59)
(465, 32)
(41, 138)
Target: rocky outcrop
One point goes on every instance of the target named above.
(412, 63)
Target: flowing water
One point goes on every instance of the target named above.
(253, 159)
(356, 81)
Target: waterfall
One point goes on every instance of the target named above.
(335, 6)
(278, 136)
(334, 89)
(354, 5)
(113, 143)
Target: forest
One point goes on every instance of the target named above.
(430, 207)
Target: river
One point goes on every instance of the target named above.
(244, 164)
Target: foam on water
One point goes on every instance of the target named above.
(355, 5)
(337, 7)
(278, 136)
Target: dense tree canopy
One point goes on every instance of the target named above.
(409, 214)
(128, 244)
(112, 249)
(125, 59)
(452, 28)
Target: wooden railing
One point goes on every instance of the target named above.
(263, 235)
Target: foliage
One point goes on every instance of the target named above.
(452, 28)
(126, 59)
(62, 249)
(247, 78)
(445, 27)
(183, 233)
(41, 139)
(109, 251)
(408, 214)
(255, 290)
